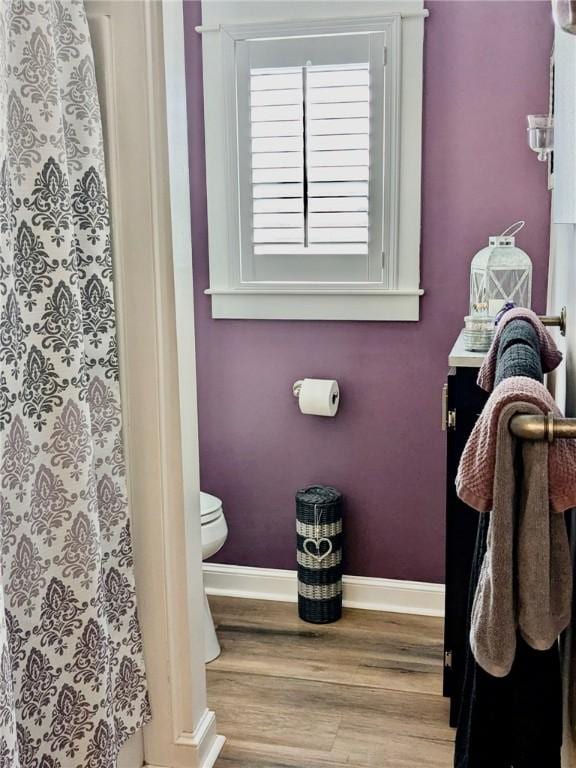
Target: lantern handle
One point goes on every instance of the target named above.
(511, 231)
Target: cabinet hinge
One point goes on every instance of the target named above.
(448, 416)
(448, 659)
(444, 406)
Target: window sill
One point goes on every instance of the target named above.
(310, 304)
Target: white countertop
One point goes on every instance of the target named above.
(461, 358)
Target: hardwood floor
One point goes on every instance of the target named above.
(364, 692)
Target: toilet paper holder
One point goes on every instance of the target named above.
(297, 386)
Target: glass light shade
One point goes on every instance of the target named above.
(565, 15)
(499, 274)
(541, 135)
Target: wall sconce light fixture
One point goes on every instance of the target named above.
(565, 15)
(541, 135)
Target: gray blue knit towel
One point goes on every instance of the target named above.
(519, 353)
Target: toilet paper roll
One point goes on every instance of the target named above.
(319, 397)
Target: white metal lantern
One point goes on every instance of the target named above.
(499, 274)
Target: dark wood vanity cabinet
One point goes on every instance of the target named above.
(462, 402)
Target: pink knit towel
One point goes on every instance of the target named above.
(475, 477)
(549, 352)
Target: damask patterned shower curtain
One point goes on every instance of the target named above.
(72, 683)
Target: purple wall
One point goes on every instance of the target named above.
(486, 67)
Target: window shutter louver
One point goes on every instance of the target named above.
(276, 123)
(338, 155)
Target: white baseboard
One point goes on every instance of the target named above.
(198, 749)
(209, 759)
(392, 595)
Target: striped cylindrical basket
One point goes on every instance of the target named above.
(319, 542)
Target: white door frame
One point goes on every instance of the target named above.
(142, 87)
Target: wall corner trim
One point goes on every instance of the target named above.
(392, 595)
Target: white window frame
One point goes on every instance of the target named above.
(397, 295)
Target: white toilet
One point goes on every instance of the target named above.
(214, 534)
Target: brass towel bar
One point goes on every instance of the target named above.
(556, 320)
(547, 427)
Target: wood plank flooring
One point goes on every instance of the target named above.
(365, 692)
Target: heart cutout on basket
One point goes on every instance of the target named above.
(317, 543)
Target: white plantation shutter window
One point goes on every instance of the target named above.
(310, 127)
(313, 139)
(320, 159)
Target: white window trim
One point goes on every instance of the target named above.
(398, 297)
